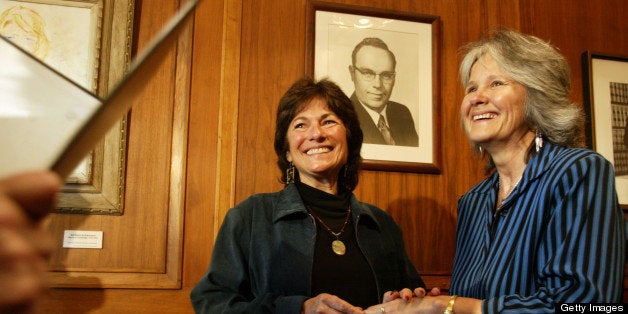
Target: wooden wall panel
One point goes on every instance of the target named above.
(424, 205)
(152, 165)
(246, 53)
(203, 138)
(272, 58)
(143, 227)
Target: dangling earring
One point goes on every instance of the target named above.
(290, 174)
(538, 140)
(481, 150)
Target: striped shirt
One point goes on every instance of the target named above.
(559, 237)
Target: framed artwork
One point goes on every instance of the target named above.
(387, 63)
(89, 42)
(606, 106)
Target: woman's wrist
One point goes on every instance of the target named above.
(449, 308)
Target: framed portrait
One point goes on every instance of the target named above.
(386, 62)
(89, 42)
(606, 106)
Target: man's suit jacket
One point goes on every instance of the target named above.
(399, 121)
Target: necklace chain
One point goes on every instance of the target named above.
(335, 234)
(501, 201)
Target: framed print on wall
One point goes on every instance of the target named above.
(606, 106)
(387, 63)
(62, 36)
(89, 42)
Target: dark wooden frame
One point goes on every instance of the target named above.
(592, 108)
(420, 166)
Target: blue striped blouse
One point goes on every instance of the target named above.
(558, 238)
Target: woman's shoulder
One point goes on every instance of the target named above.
(559, 161)
(571, 156)
(261, 197)
(375, 212)
(372, 208)
(272, 205)
(256, 202)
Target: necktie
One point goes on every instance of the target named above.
(383, 128)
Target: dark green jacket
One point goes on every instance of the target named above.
(262, 258)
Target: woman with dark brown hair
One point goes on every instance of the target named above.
(311, 247)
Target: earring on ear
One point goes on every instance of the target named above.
(480, 149)
(538, 140)
(290, 174)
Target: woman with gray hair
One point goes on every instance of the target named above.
(545, 227)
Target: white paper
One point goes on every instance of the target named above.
(40, 112)
(49, 122)
(82, 239)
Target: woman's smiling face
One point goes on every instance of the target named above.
(493, 109)
(317, 141)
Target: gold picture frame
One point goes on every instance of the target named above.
(96, 57)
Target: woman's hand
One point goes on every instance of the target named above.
(406, 294)
(420, 292)
(327, 303)
(400, 305)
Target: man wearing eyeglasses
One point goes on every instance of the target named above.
(373, 74)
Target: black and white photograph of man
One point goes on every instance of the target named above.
(373, 75)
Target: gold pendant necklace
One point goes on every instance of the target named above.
(337, 246)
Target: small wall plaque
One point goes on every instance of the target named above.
(81, 239)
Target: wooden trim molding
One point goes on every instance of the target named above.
(228, 112)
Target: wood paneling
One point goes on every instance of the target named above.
(151, 225)
(246, 53)
(203, 138)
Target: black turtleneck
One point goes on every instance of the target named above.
(347, 276)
